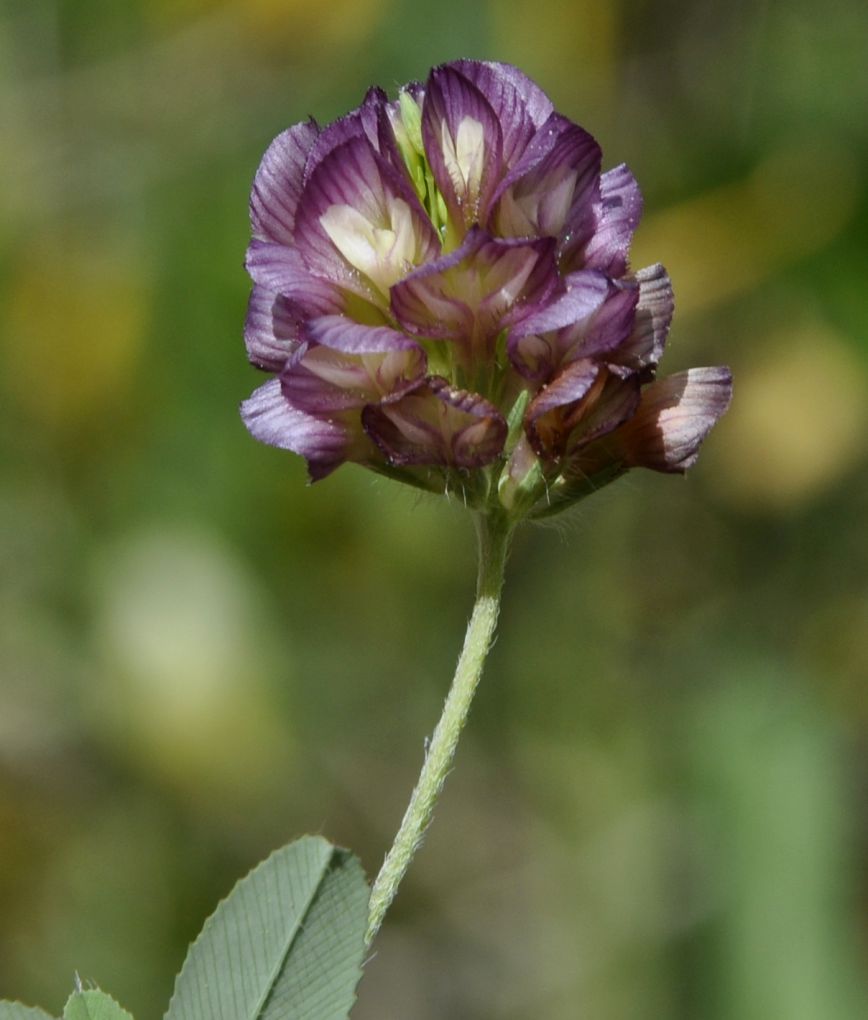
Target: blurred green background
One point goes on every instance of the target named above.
(659, 808)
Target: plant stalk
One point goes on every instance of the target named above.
(494, 533)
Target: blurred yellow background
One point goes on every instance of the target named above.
(659, 807)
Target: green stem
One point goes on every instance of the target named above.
(494, 537)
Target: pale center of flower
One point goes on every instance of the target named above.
(384, 253)
(464, 158)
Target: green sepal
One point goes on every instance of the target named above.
(517, 498)
(411, 118)
(515, 418)
(569, 490)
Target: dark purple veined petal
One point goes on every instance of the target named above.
(271, 329)
(510, 98)
(360, 223)
(324, 381)
(438, 425)
(281, 270)
(553, 187)
(270, 418)
(359, 123)
(389, 126)
(653, 316)
(584, 293)
(608, 328)
(537, 103)
(343, 334)
(537, 150)
(674, 417)
(533, 345)
(616, 217)
(485, 286)
(605, 327)
(463, 142)
(278, 183)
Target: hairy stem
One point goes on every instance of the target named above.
(494, 537)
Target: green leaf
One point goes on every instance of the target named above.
(286, 944)
(92, 1004)
(15, 1011)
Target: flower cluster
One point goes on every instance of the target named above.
(441, 288)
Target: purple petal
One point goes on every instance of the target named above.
(416, 91)
(537, 103)
(360, 223)
(437, 425)
(463, 143)
(271, 329)
(653, 317)
(389, 124)
(617, 215)
(585, 292)
(510, 97)
(674, 417)
(537, 150)
(324, 381)
(610, 326)
(359, 123)
(281, 270)
(597, 331)
(342, 334)
(553, 186)
(485, 286)
(537, 345)
(278, 182)
(271, 419)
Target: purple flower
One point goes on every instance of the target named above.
(442, 292)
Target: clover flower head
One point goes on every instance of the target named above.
(442, 293)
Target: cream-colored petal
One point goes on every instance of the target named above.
(384, 253)
(464, 157)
